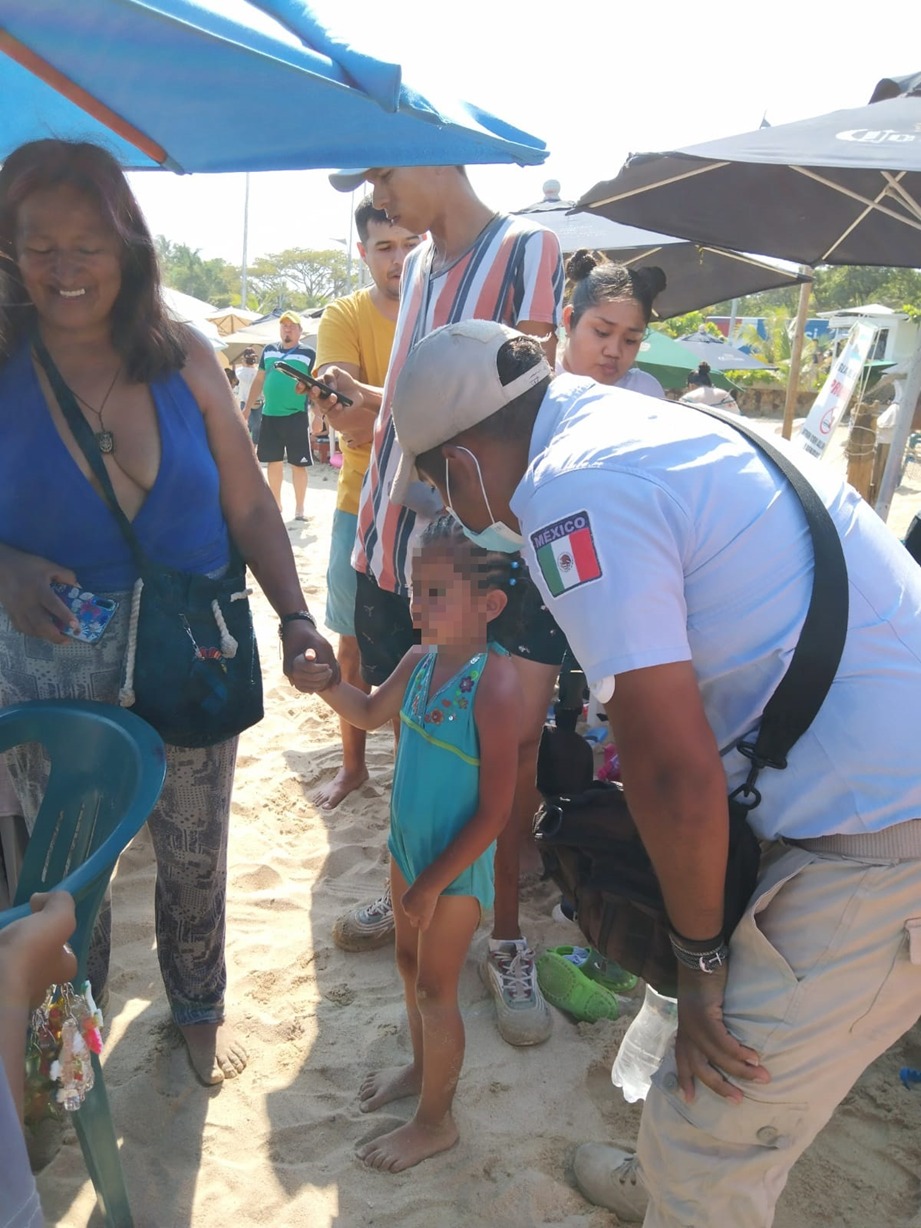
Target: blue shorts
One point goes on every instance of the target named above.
(341, 575)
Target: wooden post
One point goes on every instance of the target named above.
(861, 451)
(796, 355)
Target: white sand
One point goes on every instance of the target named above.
(275, 1147)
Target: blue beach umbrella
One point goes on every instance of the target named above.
(198, 85)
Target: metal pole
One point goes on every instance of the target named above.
(733, 314)
(796, 354)
(243, 288)
(893, 471)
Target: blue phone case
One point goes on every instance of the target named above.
(93, 613)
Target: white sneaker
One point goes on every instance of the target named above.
(522, 1015)
(609, 1177)
(366, 926)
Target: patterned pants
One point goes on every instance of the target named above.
(188, 826)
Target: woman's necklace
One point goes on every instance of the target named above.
(105, 440)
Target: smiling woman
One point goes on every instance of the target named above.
(83, 330)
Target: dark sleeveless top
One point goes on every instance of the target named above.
(49, 508)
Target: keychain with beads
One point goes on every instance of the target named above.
(65, 1032)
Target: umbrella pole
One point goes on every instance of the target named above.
(893, 471)
(796, 354)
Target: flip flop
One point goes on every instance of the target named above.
(604, 972)
(567, 987)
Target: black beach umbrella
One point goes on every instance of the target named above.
(843, 188)
(697, 275)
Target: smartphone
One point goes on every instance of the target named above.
(92, 613)
(325, 390)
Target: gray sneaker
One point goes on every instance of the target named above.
(609, 1177)
(522, 1014)
(366, 926)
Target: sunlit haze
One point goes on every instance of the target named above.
(594, 81)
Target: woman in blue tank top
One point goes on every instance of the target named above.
(79, 270)
(459, 704)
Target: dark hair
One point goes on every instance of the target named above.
(701, 377)
(512, 421)
(365, 213)
(249, 353)
(486, 568)
(591, 279)
(148, 340)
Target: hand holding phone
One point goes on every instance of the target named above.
(324, 389)
(92, 613)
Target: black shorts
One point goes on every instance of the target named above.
(285, 437)
(384, 629)
(385, 633)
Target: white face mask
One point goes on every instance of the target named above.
(496, 536)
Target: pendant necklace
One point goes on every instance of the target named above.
(105, 440)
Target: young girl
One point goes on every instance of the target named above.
(458, 701)
(608, 310)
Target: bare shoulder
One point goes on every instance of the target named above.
(202, 372)
(500, 682)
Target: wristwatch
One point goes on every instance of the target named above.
(295, 617)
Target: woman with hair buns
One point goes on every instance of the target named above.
(701, 391)
(609, 308)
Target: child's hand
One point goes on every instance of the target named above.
(419, 905)
(311, 676)
(33, 951)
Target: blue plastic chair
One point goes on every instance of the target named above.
(107, 770)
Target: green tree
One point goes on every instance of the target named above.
(215, 281)
(299, 277)
(690, 322)
(775, 349)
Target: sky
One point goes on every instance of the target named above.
(594, 80)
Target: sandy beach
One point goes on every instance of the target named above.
(275, 1146)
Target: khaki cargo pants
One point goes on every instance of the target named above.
(824, 975)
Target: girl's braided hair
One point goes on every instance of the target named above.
(487, 568)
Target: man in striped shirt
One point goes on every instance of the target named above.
(477, 264)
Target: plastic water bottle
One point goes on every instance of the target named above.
(644, 1044)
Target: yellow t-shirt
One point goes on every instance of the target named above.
(353, 330)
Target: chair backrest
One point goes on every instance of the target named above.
(107, 768)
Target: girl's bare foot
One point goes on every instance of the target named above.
(328, 797)
(382, 1086)
(408, 1145)
(214, 1051)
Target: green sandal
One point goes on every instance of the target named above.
(566, 986)
(603, 971)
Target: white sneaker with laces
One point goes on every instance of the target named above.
(366, 926)
(522, 1015)
(610, 1177)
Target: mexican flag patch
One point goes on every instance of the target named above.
(566, 553)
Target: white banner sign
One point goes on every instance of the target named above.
(832, 401)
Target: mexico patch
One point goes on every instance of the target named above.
(566, 553)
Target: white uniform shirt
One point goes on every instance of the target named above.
(657, 535)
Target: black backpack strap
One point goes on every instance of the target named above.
(802, 690)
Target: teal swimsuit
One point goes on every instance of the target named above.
(436, 782)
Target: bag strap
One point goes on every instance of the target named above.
(802, 690)
(86, 441)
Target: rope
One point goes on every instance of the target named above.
(229, 645)
(126, 696)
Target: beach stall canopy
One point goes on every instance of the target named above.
(721, 356)
(670, 361)
(149, 79)
(698, 275)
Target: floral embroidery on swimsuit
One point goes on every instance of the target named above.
(453, 695)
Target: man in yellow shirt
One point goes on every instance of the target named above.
(356, 335)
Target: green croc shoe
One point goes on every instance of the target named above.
(603, 971)
(565, 985)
